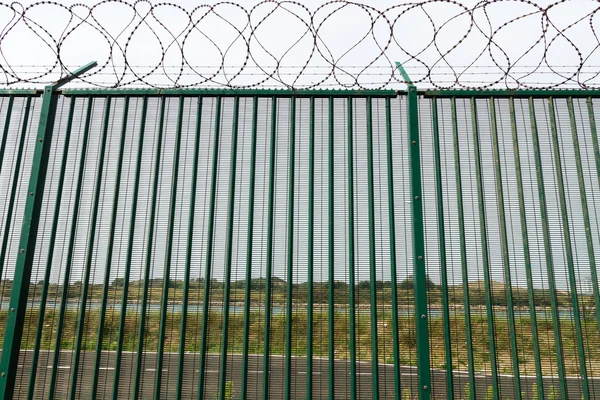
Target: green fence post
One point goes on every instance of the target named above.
(560, 364)
(209, 249)
(50, 256)
(71, 248)
(484, 251)
(594, 135)
(290, 253)
(229, 251)
(393, 262)
(9, 108)
(90, 250)
(269, 266)
(463, 251)
(311, 265)
(526, 252)
(248, 286)
(567, 236)
(188, 251)
(169, 252)
(109, 252)
(149, 253)
(351, 256)
(24, 263)
(505, 250)
(15, 181)
(423, 362)
(443, 258)
(372, 260)
(129, 254)
(330, 255)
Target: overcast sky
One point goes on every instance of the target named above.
(358, 39)
(284, 39)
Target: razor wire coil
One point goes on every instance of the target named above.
(443, 44)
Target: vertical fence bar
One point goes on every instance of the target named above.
(463, 251)
(443, 259)
(588, 234)
(148, 259)
(526, 253)
(372, 259)
(290, 253)
(5, 134)
(418, 247)
(209, 250)
(229, 250)
(505, 252)
(188, 252)
(393, 261)
(248, 284)
(351, 256)
(132, 220)
(15, 184)
(567, 241)
(269, 266)
(70, 251)
(484, 250)
(6, 130)
(330, 253)
(109, 251)
(548, 251)
(418, 255)
(594, 134)
(24, 263)
(582, 192)
(55, 219)
(90, 251)
(168, 254)
(311, 224)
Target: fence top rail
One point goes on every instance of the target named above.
(21, 92)
(511, 93)
(229, 92)
(522, 93)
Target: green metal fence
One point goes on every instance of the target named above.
(299, 244)
(512, 235)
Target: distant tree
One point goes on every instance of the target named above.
(588, 306)
(241, 284)
(409, 283)
(175, 284)
(379, 285)
(118, 282)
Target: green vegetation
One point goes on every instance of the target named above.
(467, 390)
(406, 335)
(229, 390)
(320, 290)
(406, 327)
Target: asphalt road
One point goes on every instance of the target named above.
(255, 378)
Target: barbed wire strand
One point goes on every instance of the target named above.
(482, 37)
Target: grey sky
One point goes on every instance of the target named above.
(339, 33)
(345, 38)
